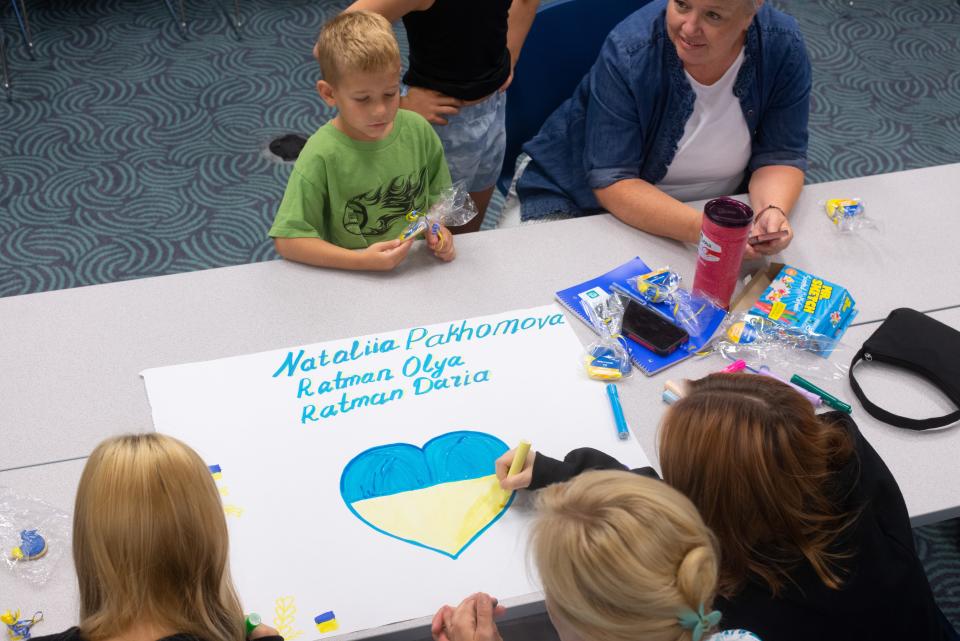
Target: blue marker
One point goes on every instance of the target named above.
(622, 431)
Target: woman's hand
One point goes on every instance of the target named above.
(432, 105)
(770, 220)
(472, 620)
(521, 479)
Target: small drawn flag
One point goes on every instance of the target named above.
(326, 622)
(215, 471)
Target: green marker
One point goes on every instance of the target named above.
(251, 622)
(828, 398)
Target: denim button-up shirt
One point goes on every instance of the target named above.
(628, 114)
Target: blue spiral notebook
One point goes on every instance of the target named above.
(616, 281)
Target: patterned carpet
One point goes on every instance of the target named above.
(128, 149)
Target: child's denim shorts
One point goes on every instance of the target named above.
(474, 142)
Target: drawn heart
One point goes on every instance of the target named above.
(441, 496)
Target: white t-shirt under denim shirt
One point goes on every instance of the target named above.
(715, 148)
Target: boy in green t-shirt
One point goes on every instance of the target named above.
(362, 172)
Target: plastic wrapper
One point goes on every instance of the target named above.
(19, 625)
(606, 359)
(784, 351)
(34, 536)
(661, 288)
(454, 208)
(848, 214)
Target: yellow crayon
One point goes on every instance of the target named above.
(519, 458)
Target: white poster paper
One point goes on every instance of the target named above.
(415, 417)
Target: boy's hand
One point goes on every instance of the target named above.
(521, 479)
(441, 243)
(385, 255)
(472, 620)
(432, 105)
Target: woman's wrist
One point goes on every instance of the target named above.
(769, 207)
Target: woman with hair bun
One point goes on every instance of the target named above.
(813, 534)
(621, 558)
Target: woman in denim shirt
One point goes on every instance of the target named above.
(687, 96)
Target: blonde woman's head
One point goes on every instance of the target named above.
(150, 542)
(622, 557)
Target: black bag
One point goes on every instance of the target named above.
(914, 341)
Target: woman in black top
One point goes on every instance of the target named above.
(814, 534)
(462, 57)
(150, 548)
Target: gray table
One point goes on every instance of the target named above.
(924, 464)
(70, 359)
(911, 260)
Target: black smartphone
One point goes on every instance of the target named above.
(652, 330)
(759, 239)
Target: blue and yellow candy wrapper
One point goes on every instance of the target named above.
(606, 359)
(34, 536)
(19, 629)
(453, 208)
(418, 225)
(847, 214)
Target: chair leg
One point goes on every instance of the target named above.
(26, 25)
(236, 16)
(20, 23)
(3, 62)
(183, 16)
(173, 14)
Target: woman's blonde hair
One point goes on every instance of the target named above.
(356, 41)
(622, 556)
(759, 464)
(150, 542)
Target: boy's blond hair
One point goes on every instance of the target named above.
(621, 557)
(356, 41)
(150, 542)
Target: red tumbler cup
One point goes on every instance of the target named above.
(723, 239)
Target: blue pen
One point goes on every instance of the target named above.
(622, 431)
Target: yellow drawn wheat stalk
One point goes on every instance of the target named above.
(286, 611)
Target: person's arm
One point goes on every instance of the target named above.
(382, 256)
(774, 190)
(778, 157)
(618, 113)
(540, 470)
(644, 206)
(392, 10)
(522, 13)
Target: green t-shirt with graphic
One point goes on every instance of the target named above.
(354, 193)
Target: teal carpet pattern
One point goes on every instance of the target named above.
(129, 149)
(132, 150)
